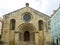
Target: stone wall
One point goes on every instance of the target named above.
(11, 37)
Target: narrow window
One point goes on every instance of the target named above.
(40, 23)
(12, 24)
(26, 36)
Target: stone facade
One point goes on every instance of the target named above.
(23, 24)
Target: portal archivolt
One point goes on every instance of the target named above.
(26, 27)
(27, 32)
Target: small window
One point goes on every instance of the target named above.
(12, 24)
(40, 23)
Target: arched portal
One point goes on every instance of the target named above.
(26, 36)
(27, 32)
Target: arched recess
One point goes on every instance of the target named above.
(40, 25)
(27, 27)
(12, 24)
(26, 36)
(27, 32)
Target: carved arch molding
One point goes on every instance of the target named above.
(27, 32)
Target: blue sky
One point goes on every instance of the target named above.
(44, 6)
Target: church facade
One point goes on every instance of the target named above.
(26, 26)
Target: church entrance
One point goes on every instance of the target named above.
(26, 33)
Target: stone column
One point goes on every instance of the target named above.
(32, 38)
(16, 38)
(36, 38)
(21, 38)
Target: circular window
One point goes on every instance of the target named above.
(26, 17)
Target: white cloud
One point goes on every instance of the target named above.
(45, 6)
(11, 5)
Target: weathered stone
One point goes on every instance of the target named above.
(16, 37)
